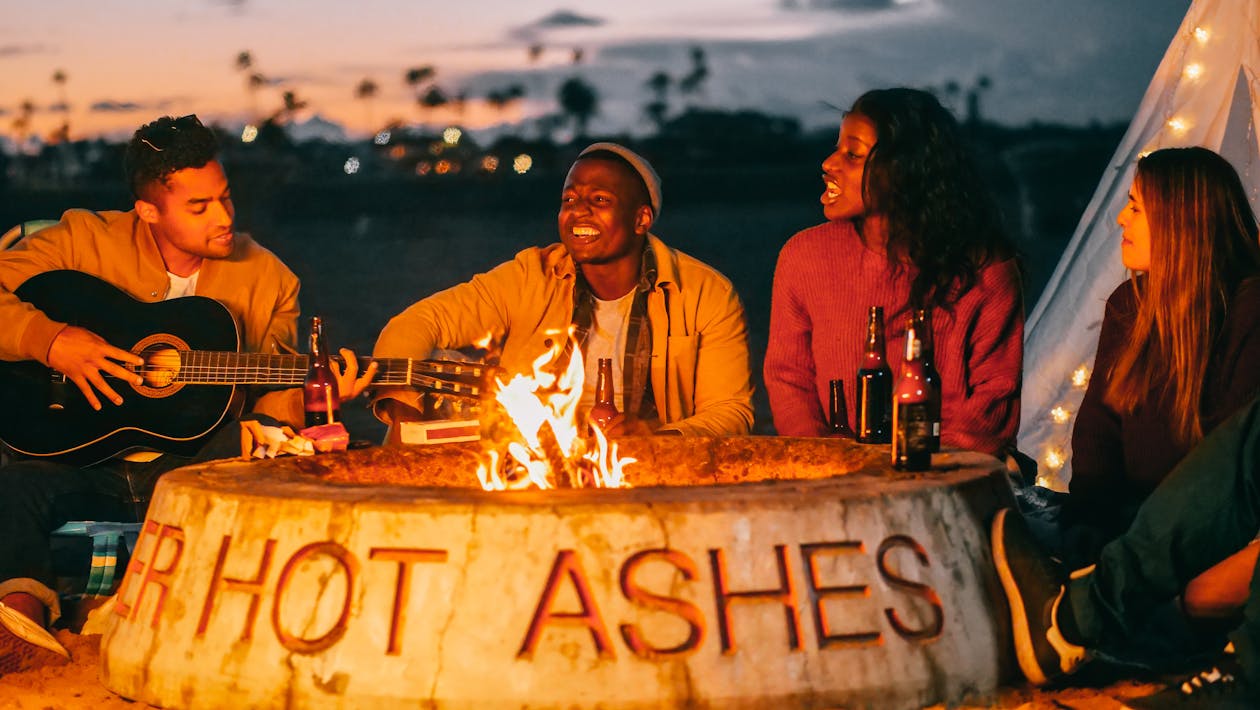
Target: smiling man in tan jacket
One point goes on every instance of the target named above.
(673, 326)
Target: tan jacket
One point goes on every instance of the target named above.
(700, 371)
(257, 288)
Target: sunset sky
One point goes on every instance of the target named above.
(129, 61)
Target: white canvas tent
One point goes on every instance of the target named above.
(1206, 92)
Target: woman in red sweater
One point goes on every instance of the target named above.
(1179, 347)
(909, 226)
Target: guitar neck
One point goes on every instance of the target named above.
(232, 368)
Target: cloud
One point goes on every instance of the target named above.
(558, 20)
(566, 18)
(17, 50)
(844, 5)
(109, 106)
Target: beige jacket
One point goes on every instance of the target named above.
(257, 288)
(700, 370)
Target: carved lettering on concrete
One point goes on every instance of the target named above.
(567, 564)
(933, 630)
(818, 591)
(405, 557)
(784, 594)
(253, 587)
(160, 547)
(148, 571)
(685, 610)
(349, 567)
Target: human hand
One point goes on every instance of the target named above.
(85, 358)
(621, 425)
(350, 383)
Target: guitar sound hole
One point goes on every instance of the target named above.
(161, 365)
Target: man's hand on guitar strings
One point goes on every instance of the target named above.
(83, 356)
(349, 383)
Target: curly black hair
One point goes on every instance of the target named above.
(941, 217)
(165, 146)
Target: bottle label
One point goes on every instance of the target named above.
(912, 436)
(874, 395)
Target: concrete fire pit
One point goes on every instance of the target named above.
(746, 572)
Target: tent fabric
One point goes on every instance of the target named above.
(1206, 92)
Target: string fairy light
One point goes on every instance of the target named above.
(1060, 415)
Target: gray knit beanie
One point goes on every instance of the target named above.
(640, 165)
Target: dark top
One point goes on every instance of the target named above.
(1118, 460)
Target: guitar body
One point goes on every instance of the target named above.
(42, 414)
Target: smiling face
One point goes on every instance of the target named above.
(604, 212)
(1135, 232)
(843, 169)
(191, 217)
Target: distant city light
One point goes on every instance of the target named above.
(443, 167)
(424, 167)
(490, 163)
(1054, 459)
(398, 152)
(1060, 415)
(1193, 71)
(249, 134)
(382, 138)
(436, 147)
(1201, 34)
(352, 165)
(452, 135)
(522, 163)
(1080, 377)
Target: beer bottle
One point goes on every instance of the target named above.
(838, 414)
(319, 390)
(911, 427)
(605, 405)
(923, 318)
(874, 384)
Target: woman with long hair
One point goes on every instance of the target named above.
(910, 226)
(1179, 344)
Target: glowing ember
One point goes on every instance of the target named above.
(542, 443)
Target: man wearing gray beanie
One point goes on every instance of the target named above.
(673, 327)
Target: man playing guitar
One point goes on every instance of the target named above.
(177, 241)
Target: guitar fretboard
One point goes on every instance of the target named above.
(206, 367)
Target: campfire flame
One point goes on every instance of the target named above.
(545, 446)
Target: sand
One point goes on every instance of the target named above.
(75, 685)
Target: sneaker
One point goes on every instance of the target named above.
(25, 645)
(1221, 686)
(1034, 588)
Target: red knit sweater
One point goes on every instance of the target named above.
(824, 284)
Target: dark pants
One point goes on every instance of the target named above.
(1207, 509)
(39, 496)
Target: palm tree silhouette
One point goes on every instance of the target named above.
(656, 109)
(253, 80)
(59, 79)
(693, 82)
(365, 91)
(580, 102)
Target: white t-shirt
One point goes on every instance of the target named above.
(607, 339)
(181, 285)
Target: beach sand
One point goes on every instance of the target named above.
(75, 685)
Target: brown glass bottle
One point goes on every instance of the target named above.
(319, 391)
(923, 328)
(873, 396)
(605, 408)
(911, 426)
(838, 412)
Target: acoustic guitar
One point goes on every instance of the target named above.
(191, 373)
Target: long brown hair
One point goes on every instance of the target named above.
(942, 218)
(1204, 242)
